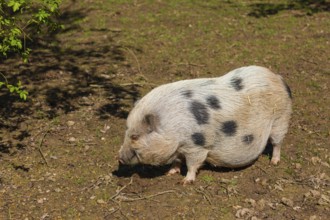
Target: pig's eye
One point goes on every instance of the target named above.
(134, 137)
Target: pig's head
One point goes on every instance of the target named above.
(145, 142)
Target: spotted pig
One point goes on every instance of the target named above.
(224, 121)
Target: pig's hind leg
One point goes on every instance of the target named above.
(194, 160)
(279, 129)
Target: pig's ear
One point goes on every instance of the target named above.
(152, 122)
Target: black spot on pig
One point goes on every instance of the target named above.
(213, 102)
(200, 112)
(229, 128)
(198, 139)
(288, 90)
(187, 93)
(248, 139)
(236, 82)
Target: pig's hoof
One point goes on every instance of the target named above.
(186, 182)
(275, 161)
(173, 171)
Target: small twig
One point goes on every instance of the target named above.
(4, 78)
(262, 169)
(121, 212)
(137, 61)
(137, 84)
(122, 188)
(9, 213)
(309, 61)
(148, 197)
(204, 195)
(133, 84)
(39, 148)
(113, 211)
(227, 192)
(192, 64)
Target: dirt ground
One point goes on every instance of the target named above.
(58, 149)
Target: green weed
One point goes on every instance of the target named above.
(208, 179)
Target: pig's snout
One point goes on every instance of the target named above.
(120, 160)
(127, 156)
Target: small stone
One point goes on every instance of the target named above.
(313, 217)
(40, 201)
(296, 208)
(261, 204)
(307, 195)
(53, 157)
(100, 201)
(287, 202)
(92, 197)
(44, 216)
(237, 207)
(298, 166)
(271, 205)
(315, 193)
(72, 139)
(325, 164)
(324, 200)
(278, 187)
(264, 182)
(51, 178)
(315, 160)
(252, 202)
(243, 212)
(70, 123)
(57, 190)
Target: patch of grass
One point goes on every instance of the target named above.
(118, 1)
(315, 85)
(116, 140)
(125, 20)
(289, 171)
(225, 210)
(233, 182)
(72, 212)
(56, 121)
(40, 114)
(207, 178)
(80, 180)
(284, 156)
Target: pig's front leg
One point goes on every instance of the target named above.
(194, 161)
(175, 168)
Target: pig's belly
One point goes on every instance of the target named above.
(235, 155)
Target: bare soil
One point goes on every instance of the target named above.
(58, 149)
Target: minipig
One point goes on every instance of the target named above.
(224, 121)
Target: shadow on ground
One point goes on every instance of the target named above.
(60, 79)
(308, 6)
(148, 171)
